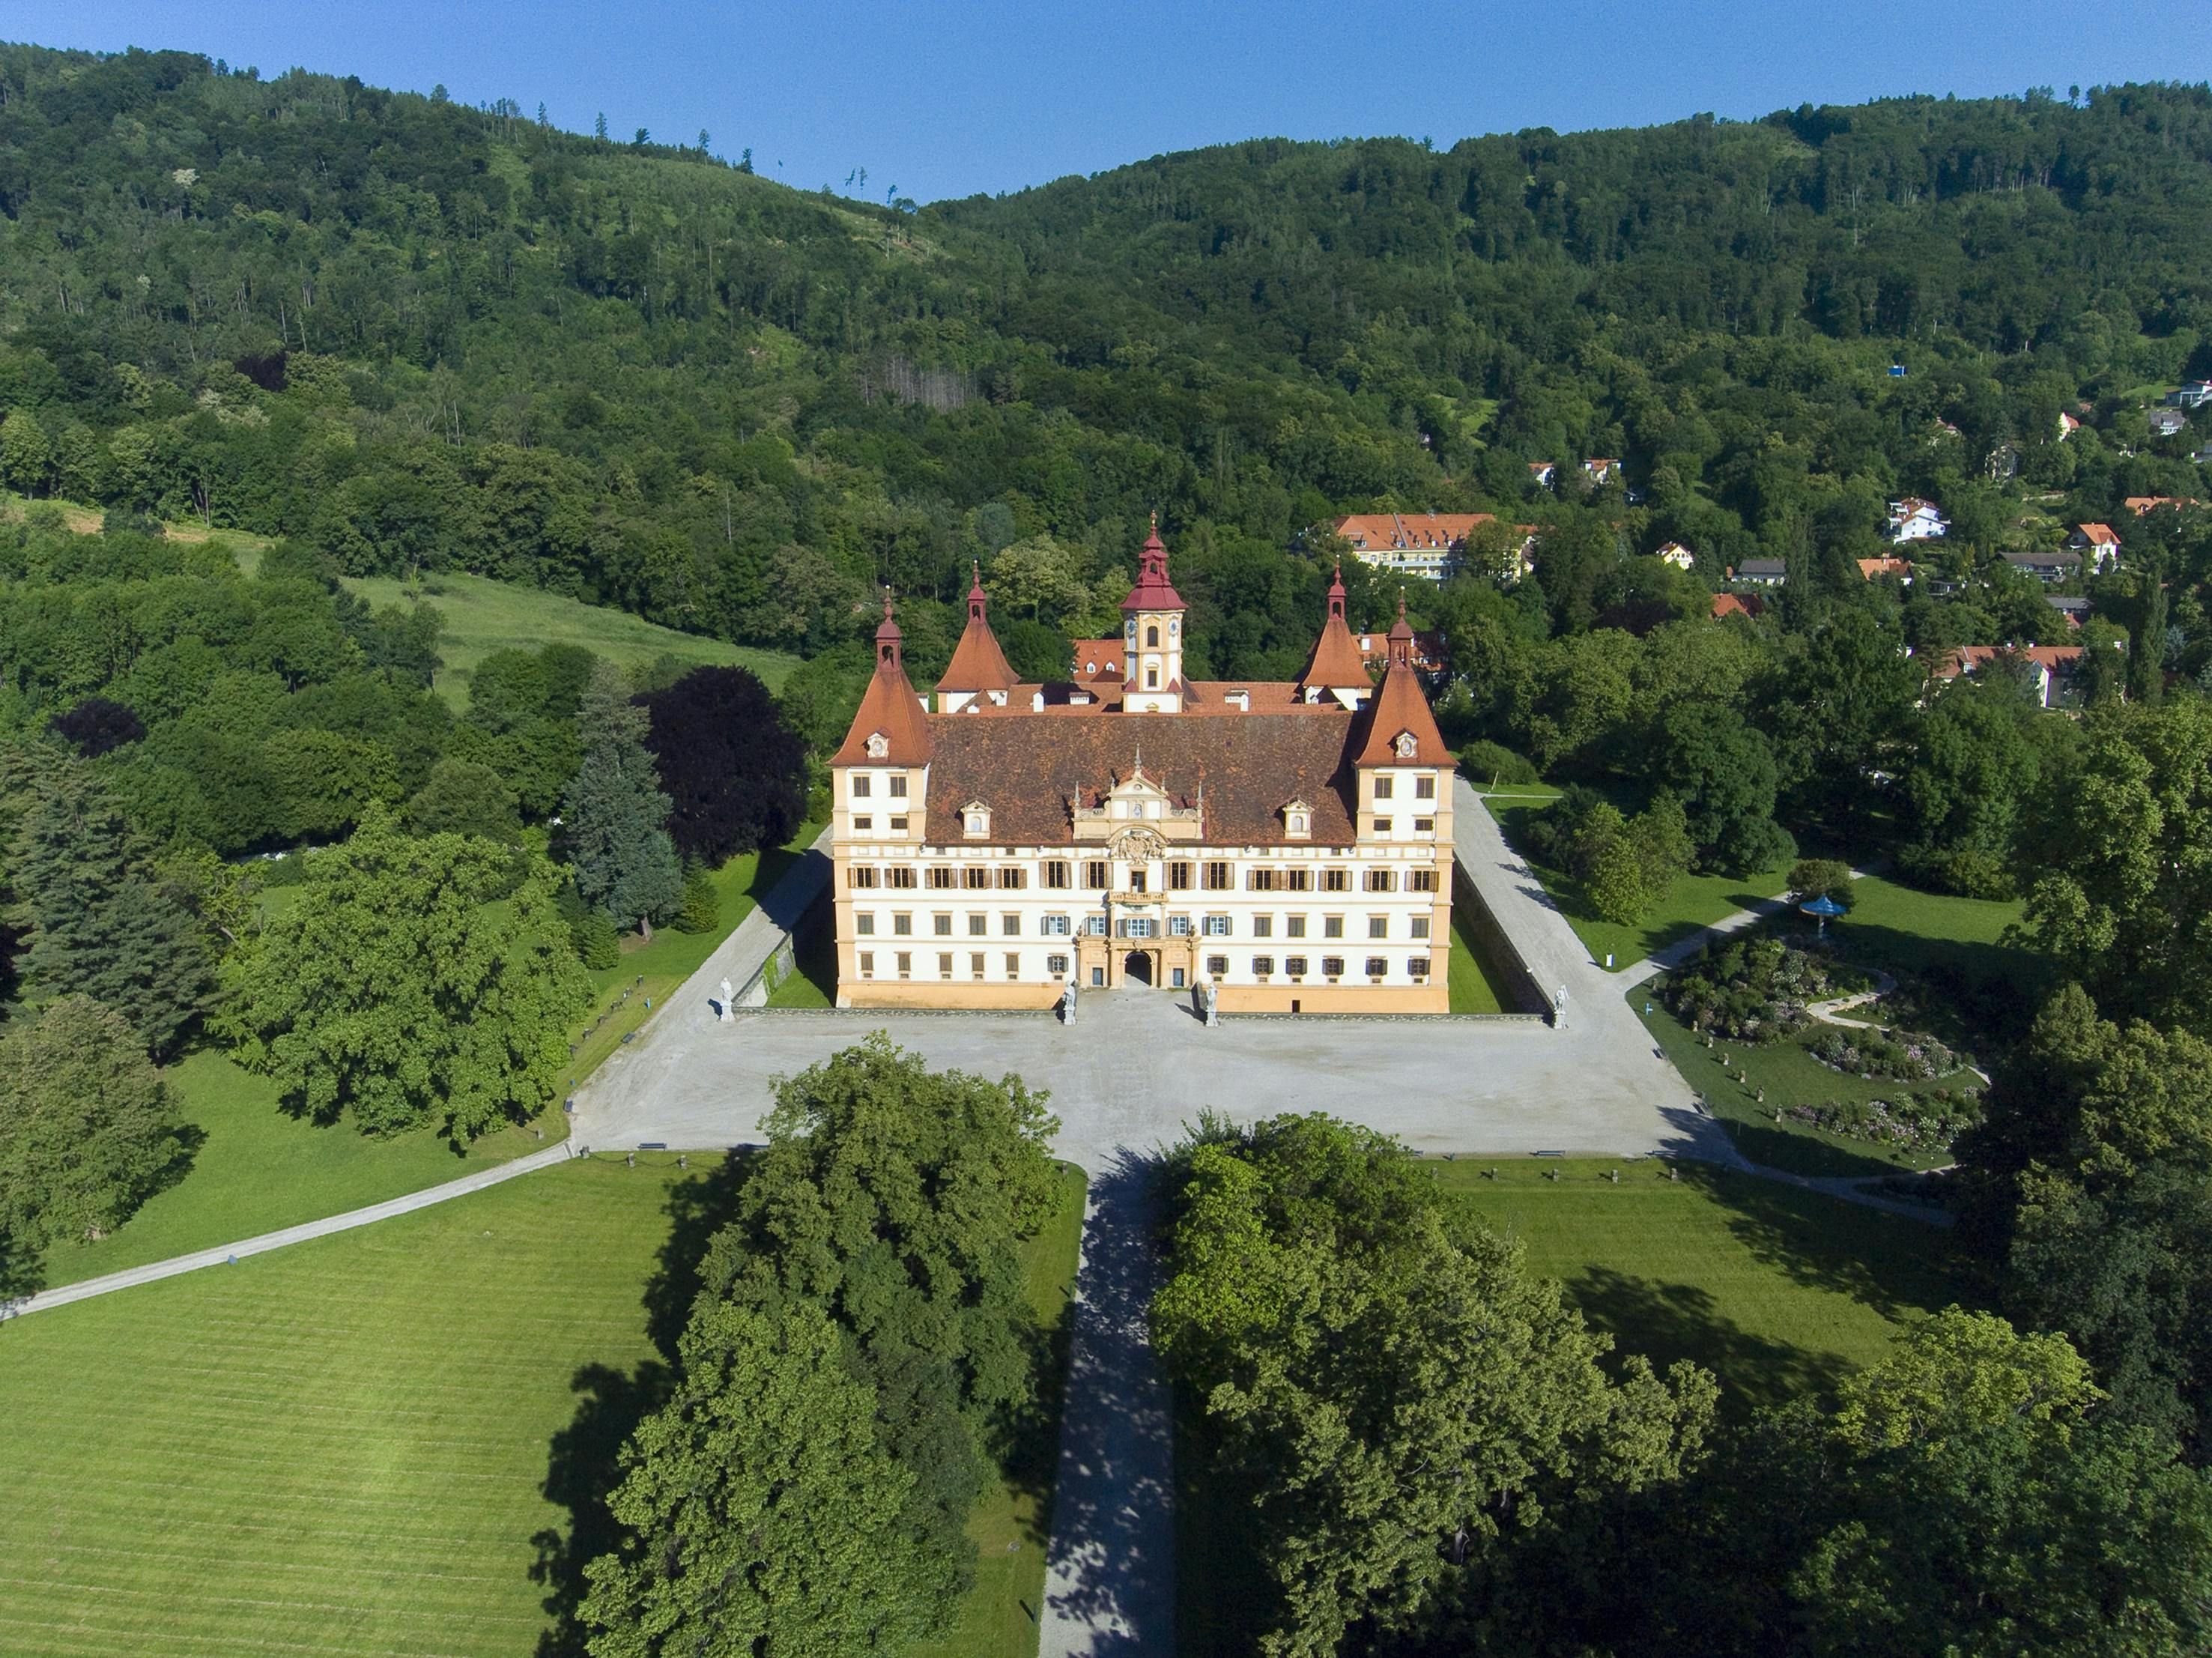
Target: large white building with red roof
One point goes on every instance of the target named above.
(1286, 845)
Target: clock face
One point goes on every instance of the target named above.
(1133, 630)
(1174, 629)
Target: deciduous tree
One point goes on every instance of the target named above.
(735, 773)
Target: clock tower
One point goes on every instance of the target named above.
(1152, 635)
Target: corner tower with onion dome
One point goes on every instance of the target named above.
(1287, 843)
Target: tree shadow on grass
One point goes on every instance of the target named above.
(1669, 1321)
(697, 1209)
(1899, 1266)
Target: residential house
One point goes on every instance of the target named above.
(2075, 611)
(1543, 471)
(2195, 395)
(1428, 544)
(2165, 422)
(1761, 573)
(1875, 569)
(1915, 520)
(1676, 554)
(1599, 470)
(1747, 605)
(2098, 543)
(2140, 504)
(2062, 564)
(2068, 425)
(2051, 670)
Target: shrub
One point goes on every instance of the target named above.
(1920, 1123)
(1860, 1052)
(1485, 761)
(1811, 878)
(1751, 990)
(702, 905)
(598, 945)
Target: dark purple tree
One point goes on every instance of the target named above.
(96, 725)
(735, 773)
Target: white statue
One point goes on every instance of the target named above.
(1559, 1009)
(728, 995)
(1067, 1005)
(1209, 1001)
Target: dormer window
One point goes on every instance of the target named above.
(1407, 745)
(976, 821)
(878, 745)
(1297, 820)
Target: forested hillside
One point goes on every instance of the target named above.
(421, 335)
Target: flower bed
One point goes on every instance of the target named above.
(1907, 1056)
(1751, 990)
(1926, 1122)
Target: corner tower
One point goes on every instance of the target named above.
(1152, 635)
(1335, 671)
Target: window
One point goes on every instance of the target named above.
(1424, 787)
(979, 926)
(1056, 965)
(905, 964)
(1336, 881)
(1094, 926)
(860, 875)
(1217, 878)
(1263, 926)
(1152, 637)
(861, 826)
(1262, 965)
(900, 876)
(1013, 878)
(1382, 881)
(867, 964)
(1055, 872)
(1010, 925)
(1331, 927)
(1296, 825)
(1378, 926)
(898, 785)
(975, 964)
(975, 878)
(1297, 881)
(1178, 926)
(1383, 785)
(1216, 927)
(1417, 966)
(1424, 825)
(941, 926)
(1294, 927)
(861, 786)
(1258, 880)
(1377, 967)
(1420, 927)
(903, 924)
(1054, 926)
(1331, 967)
(977, 823)
(944, 964)
(1151, 678)
(864, 924)
(898, 826)
(1094, 876)
(1295, 965)
(1013, 965)
(1137, 878)
(1217, 966)
(1178, 877)
(1420, 881)
(1383, 826)
(940, 878)
(1144, 927)
(1176, 978)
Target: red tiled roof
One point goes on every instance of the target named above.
(2100, 535)
(1398, 706)
(1335, 660)
(1738, 604)
(2140, 504)
(1099, 659)
(1028, 772)
(2057, 659)
(1870, 567)
(888, 706)
(1370, 532)
(977, 662)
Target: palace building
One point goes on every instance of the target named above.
(1288, 844)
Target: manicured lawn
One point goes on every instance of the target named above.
(1477, 984)
(1775, 1290)
(649, 972)
(1779, 1292)
(813, 981)
(482, 616)
(258, 1169)
(382, 1442)
(1693, 902)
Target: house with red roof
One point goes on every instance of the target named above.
(2098, 543)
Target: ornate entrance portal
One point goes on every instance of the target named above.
(1141, 967)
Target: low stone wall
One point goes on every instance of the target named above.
(1527, 991)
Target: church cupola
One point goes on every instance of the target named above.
(1151, 634)
(979, 676)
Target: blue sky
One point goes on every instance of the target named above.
(953, 99)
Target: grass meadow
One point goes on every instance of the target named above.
(397, 1441)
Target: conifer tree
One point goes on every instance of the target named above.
(101, 921)
(614, 818)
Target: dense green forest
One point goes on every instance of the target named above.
(423, 335)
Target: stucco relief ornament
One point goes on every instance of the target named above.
(1407, 745)
(1139, 845)
(878, 745)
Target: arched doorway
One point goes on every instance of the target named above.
(1136, 968)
